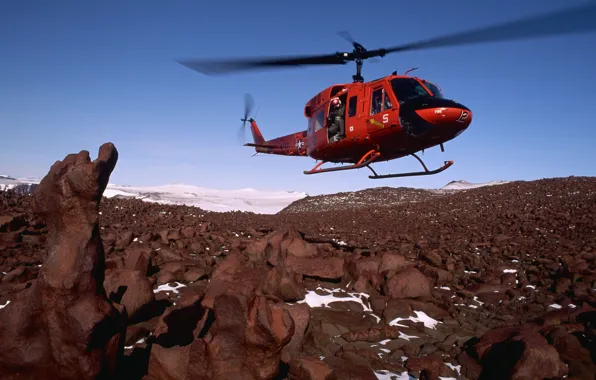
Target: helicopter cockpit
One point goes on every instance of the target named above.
(406, 89)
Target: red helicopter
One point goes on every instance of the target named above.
(361, 123)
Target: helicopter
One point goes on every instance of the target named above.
(398, 115)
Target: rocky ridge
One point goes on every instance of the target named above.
(356, 200)
(494, 282)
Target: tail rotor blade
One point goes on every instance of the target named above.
(241, 135)
(248, 106)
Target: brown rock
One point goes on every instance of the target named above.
(179, 362)
(327, 268)
(232, 275)
(431, 367)
(247, 337)
(519, 353)
(131, 289)
(392, 261)
(364, 266)
(274, 251)
(572, 353)
(310, 368)
(256, 250)
(283, 283)
(408, 283)
(168, 363)
(347, 370)
(9, 223)
(433, 257)
(298, 247)
(138, 258)
(439, 276)
(300, 314)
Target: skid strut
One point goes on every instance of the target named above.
(366, 160)
(411, 174)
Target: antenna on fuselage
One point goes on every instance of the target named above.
(412, 69)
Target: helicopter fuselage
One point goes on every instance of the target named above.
(381, 120)
(394, 115)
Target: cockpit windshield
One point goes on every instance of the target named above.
(408, 88)
(433, 88)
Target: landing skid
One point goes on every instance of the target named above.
(411, 174)
(369, 158)
(366, 160)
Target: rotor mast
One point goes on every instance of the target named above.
(358, 51)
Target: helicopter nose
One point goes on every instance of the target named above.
(456, 118)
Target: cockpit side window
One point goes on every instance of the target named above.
(380, 101)
(376, 101)
(386, 102)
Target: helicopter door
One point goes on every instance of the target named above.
(380, 109)
(317, 136)
(336, 126)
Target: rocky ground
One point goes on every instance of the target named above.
(489, 283)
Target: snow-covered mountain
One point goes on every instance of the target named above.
(257, 201)
(20, 186)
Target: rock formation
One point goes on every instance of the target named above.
(64, 326)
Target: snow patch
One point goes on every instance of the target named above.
(386, 375)
(420, 317)
(456, 368)
(316, 300)
(168, 288)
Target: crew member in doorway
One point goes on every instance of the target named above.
(336, 114)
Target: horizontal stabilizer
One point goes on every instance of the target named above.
(262, 145)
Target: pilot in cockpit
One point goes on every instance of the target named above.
(388, 104)
(377, 104)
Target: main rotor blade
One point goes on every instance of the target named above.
(346, 35)
(224, 66)
(568, 21)
(571, 20)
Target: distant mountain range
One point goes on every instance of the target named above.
(257, 201)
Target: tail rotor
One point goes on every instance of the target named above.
(248, 106)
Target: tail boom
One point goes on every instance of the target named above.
(293, 144)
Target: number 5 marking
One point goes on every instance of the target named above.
(386, 118)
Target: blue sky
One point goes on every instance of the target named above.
(75, 74)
